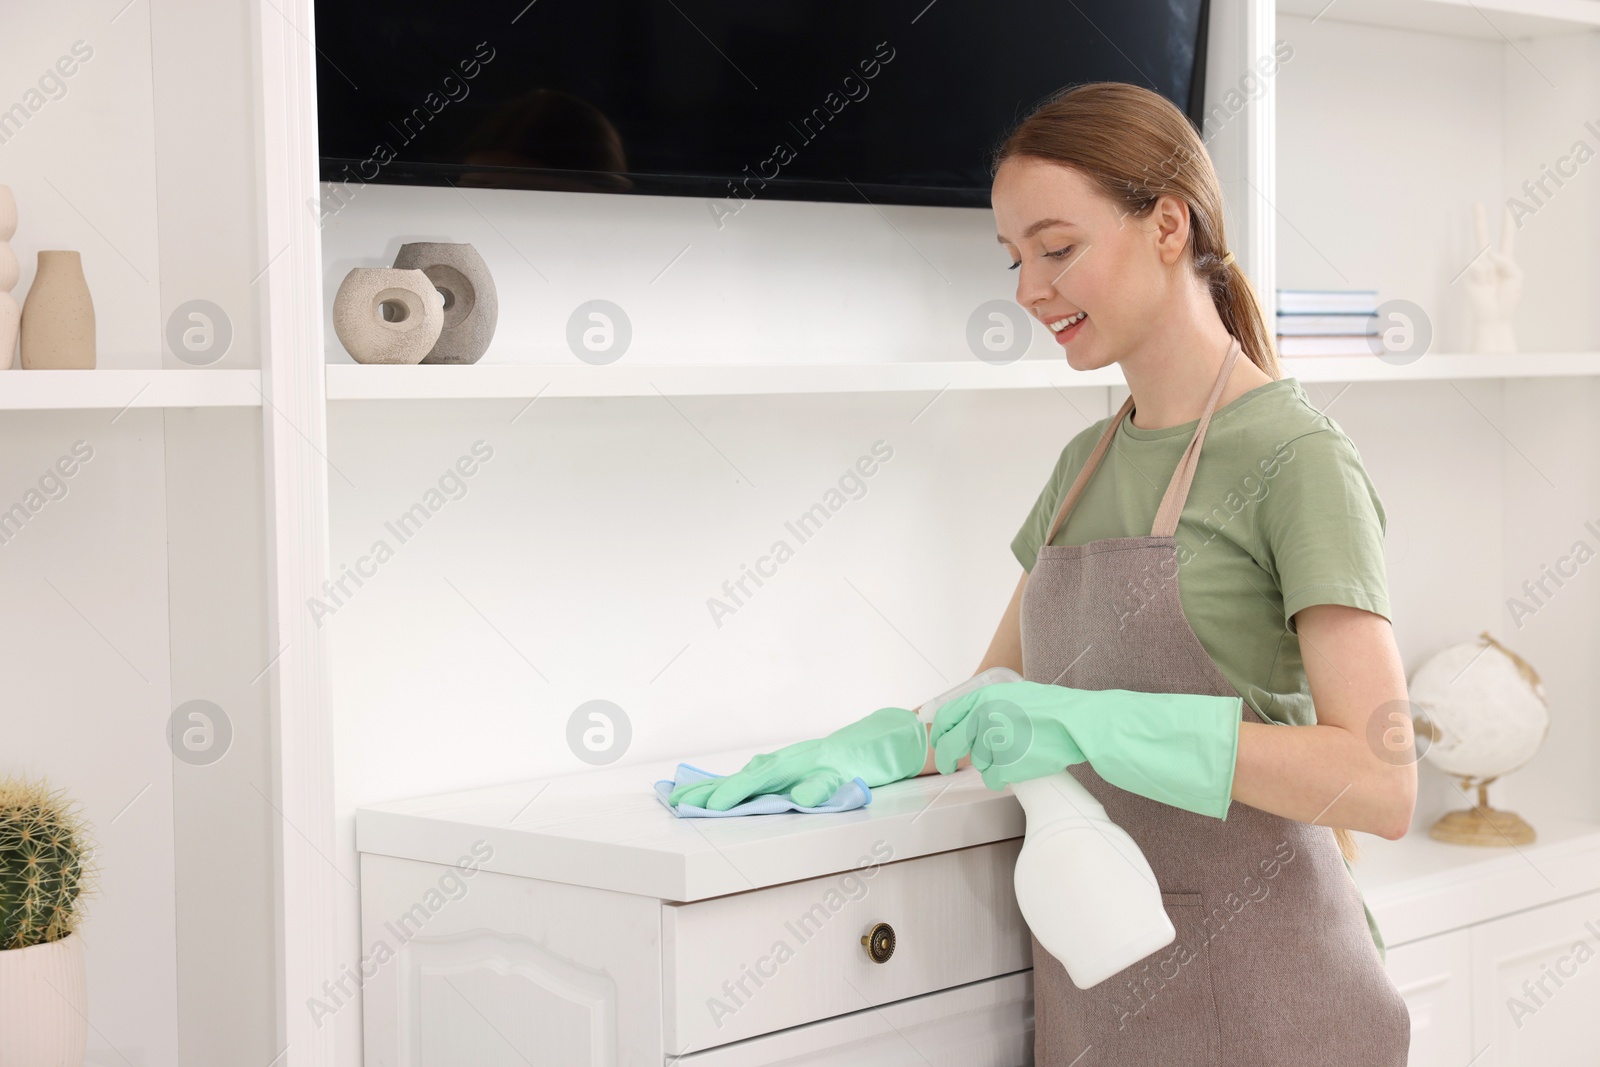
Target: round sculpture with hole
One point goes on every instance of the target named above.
(470, 304)
(387, 315)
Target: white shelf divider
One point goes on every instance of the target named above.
(488, 381)
(350, 381)
(45, 390)
(1489, 19)
(1442, 367)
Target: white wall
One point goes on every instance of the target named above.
(1551, 501)
(1552, 90)
(81, 165)
(87, 666)
(152, 130)
(1385, 139)
(782, 282)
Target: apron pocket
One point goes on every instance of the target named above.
(1161, 1010)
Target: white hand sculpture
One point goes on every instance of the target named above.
(1494, 284)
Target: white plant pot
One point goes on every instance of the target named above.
(44, 1005)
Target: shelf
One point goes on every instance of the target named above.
(350, 381)
(1442, 367)
(116, 389)
(56, 390)
(1418, 887)
(1491, 19)
(488, 381)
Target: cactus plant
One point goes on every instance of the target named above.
(44, 864)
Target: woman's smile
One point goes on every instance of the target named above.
(1066, 327)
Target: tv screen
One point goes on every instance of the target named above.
(881, 100)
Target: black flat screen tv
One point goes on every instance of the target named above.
(878, 100)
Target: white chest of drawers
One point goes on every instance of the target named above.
(574, 922)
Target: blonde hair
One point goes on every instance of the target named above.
(1136, 147)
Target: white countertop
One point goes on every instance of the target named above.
(1417, 887)
(606, 829)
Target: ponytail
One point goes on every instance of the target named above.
(1235, 300)
(1347, 844)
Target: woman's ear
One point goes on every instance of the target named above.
(1170, 217)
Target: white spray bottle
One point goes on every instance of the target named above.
(1083, 887)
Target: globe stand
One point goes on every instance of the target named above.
(1482, 825)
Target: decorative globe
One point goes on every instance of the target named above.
(1481, 712)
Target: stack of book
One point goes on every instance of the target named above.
(1327, 322)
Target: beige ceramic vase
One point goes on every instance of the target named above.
(10, 313)
(470, 304)
(58, 316)
(384, 315)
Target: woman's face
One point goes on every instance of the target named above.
(1077, 254)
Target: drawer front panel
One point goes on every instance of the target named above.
(752, 963)
(986, 1024)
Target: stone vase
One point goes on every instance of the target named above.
(10, 313)
(387, 315)
(44, 1004)
(58, 316)
(471, 307)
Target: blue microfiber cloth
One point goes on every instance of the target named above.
(853, 794)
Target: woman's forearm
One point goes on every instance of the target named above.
(1314, 774)
(1324, 775)
(1356, 766)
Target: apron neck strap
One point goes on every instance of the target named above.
(1166, 521)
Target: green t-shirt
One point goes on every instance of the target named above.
(1281, 515)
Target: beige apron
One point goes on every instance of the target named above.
(1273, 963)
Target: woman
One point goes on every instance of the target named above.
(1255, 574)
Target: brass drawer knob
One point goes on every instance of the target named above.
(880, 942)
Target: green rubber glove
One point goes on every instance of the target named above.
(886, 746)
(1177, 748)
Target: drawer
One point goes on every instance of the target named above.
(738, 966)
(985, 1024)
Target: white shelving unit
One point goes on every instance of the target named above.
(66, 390)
